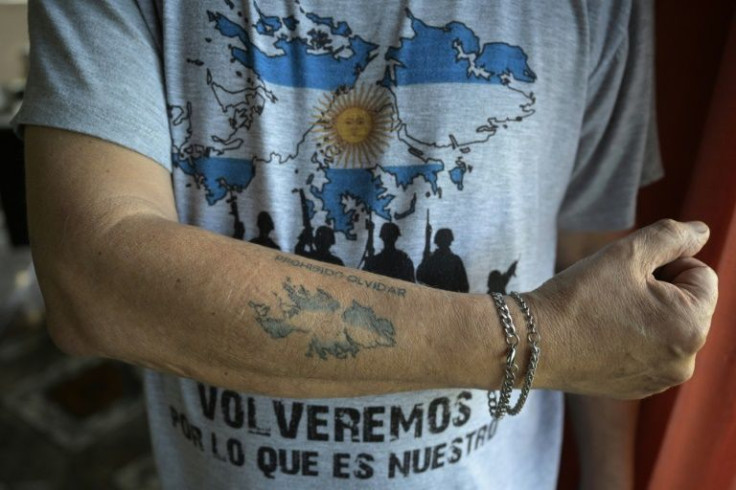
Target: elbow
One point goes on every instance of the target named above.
(85, 281)
(66, 337)
(69, 306)
(64, 325)
(78, 287)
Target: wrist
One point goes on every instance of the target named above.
(551, 360)
(484, 352)
(523, 348)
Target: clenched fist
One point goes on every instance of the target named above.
(628, 321)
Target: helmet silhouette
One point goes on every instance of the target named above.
(324, 238)
(390, 233)
(443, 238)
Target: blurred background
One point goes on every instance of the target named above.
(79, 423)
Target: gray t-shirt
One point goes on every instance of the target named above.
(438, 142)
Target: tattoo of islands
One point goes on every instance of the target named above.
(299, 311)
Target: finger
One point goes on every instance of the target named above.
(668, 272)
(667, 240)
(701, 282)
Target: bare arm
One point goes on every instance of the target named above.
(604, 428)
(123, 279)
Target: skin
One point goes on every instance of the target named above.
(243, 317)
(100, 216)
(605, 429)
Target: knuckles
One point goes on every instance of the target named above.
(679, 374)
(692, 324)
(711, 289)
(687, 338)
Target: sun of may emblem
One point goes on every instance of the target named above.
(353, 125)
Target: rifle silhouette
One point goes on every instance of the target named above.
(239, 227)
(511, 271)
(370, 250)
(427, 239)
(306, 238)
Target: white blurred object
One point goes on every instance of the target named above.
(20, 297)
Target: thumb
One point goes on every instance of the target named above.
(667, 240)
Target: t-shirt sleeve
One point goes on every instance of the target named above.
(95, 68)
(618, 150)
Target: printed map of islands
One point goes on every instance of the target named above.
(357, 122)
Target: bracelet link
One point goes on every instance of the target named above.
(499, 406)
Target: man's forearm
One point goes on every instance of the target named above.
(122, 278)
(157, 293)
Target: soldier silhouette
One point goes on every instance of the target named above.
(443, 269)
(497, 280)
(320, 246)
(265, 227)
(391, 262)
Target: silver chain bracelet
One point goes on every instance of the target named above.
(533, 337)
(498, 405)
